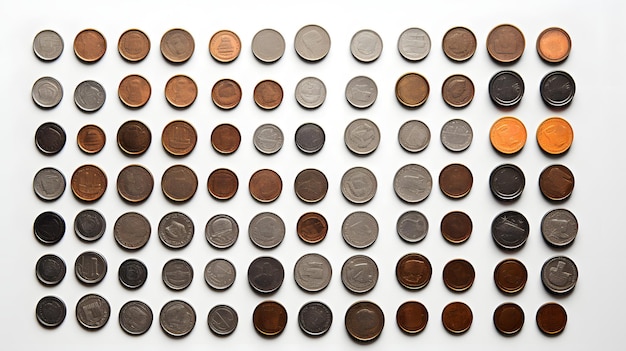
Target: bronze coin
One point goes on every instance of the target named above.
(412, 317)
(133, 45)
(181, 91)
(555, 135)
(226, 94)
(457, 317)
(458, 275)
(457, 90)
(311, 185)
(459, 44)
(134, 137)
(455, 180)
(268, 94)
(456, 227)
(89, 45)
(505, 43)
(269, 318)
(222, 184)
(265, 185)
(88, 183)
(413, 271)
(91, 139)
(554, 45)
(551, 318)
(177, 45)
(412, 90)
(510, 276)
(134, 183)
(508, 135)
(179, 183)
(179, 138)
(508, 318)
(132, 230)
(225, 138)
(312, 227)
(556, 182)
(134, 91)
(364, 321)
(225, 46)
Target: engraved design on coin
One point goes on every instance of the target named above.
(177, 274)
(559, 227)
(90, 267)
(310, 92)
(176, 230)
(412, 183)
(177, 318)
(414, 136)
(358, 185)
(510, 230)
(221, 231)
(359, 274)
(89, 96)
(135, 317)
(362, 136)
(315, 318)
(48, 45)
(312, 272)
(49, 184)
(414, 44)
(366, 45)
(268, 139)
(456, 135)
(359, 229)
(222, 320)
(559, 274)
(312, 43)
(266, 230)
(361, 92)
(47, 92)
(93, 311)
(412, 226)
(219, 273)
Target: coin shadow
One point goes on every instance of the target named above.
(560, 296)
(557, 156)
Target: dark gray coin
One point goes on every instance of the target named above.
(135, 183)
(48, 45)
(312, 272)
(177, 318)
(89, 225)
(412, 226)
(49, 184)
(414, 44)
(557, 89)
(507, 182)
(132, 273)
(265, 274)
(176, 230)
(559, 274)
(366, 45)
(220, 274)
(50, 269)
(268, 45)
(510, 230)
(506, 88)
(359, 274)
(358, 185)
(310, 138)
(90, 267)
(177, 274)
(456, 135)
(49, 227)
(89, 96)
(268, 139)
(50, 311)
(559, 227)
(361, 92)
(93, 311)
(359, 229)
(412, 183)
(310, 92)
(266, 230)
(135, 317)
(132, 230)
(312, 43)
(315, 318)
(47, 92)
(222, 320)
(414, 136)
(221, 231)
(362, 136)
(50, 138)
(311, 185)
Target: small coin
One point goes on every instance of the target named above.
(554, 45)
(414, 44)
(359, 274)
(222, 320)
(179, 183)
(507, 182)
(225, 46)
(457, 90)
(310, 92)
(315, 318)
(556, 182)
(225, 138)
(455, 180)
(358, 185)
(312, 43)
(364, 321)
(551, 318)
(366, 45)
(181, 91)
(89, 225)
(359, 229)
(265, 185)
(50, 138)
(362, 136)
(312, 272)
(506, 88)
(311, 185)
(49, 227)
(135, 317)
(268, 138)
(312, 227)
(90, 267)
(459, 44)
(414, 136)
(133, 46)
(89, 45)
(310, 138)
(132, 273)
(559, 275)
(93, 311)
(508, 318)
(510, 230)
(458, 275)
(221, 231)
(177, 318)
(134, 91)
(50, 269)
(456, 227)
(510, 276)
(268, 94)
(48, 45)
(135, 183)
(456, 135)
(508, 135)
(50, 311)
(49, 184)
(505, 43)
(412, 183)
(220, 274)
(226, 94)
(179, 138)
(91, 139)
(47, 92)
(413, 271)
(361, 92)
(177, 45)
(134, 137)
(266, 230)
(268, 45)
(88, 183)
(177, 274)
(412, 90)
(555, 135)
(176, 230)
(222, 184)
(269, 318)
(412, 317)
(132, 230)
(557, 89)
(412, 226)
(265, 274)
(559, 227)
(457, 317)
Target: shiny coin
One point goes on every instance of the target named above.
(135, 317)
(133, 46)
(50, 269)
(93, 311)
(312, 227)
(362, 136)
(310, 92)
(132, 230)
(266, 230)
(225, 46)
(311, 185)
(559, 227)
(134, 183)
(507, 182)
(134, 91)
(555, 135)
(177, 274)
(47, 92)
(268, 45)
(459, 44)
(265, 185)
(559, 275)
(179, 138)
(222, 184)
(177, 45)
(49, 227)
(50, 138)
(176, 230)
(226, 94)
(268, 94)
(508, 135)
(312, 43)
(361, 92)
(506, 88)
(315, 318)
(225, 138)
(366, 45)
(554, 45)
(413, 271)
(510, 276)
(220, 274)
(312, 272)
(358, 185)
(221, 231)
(414, 136)
(364, 321)
(88, 183)
(551, 318)
(91, 139)
(412, 317)
(412, 183)
(310, 138)
(456, 227)
(179, 183)
(457, 90)
(181, 91)
(412, 90)
(412, 226)
(458, 275)
(359, 229)
(132, 273)
(505, 43)
(508, 318)
(89, 45)
(49, 184)
(510, 230)
(177, 318)
(50, 311)
(557, 89)
(265, 274)
(268, 138)
(134, 137)
(456, 135)
(90, 267)
(222, 320)
(414, 44)
(269, 318)
(457, 317)
(359, 274)
(89, 225)
(48, 45)
(556, 182)
(455, 180)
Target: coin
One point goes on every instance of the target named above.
(181, 91)
(455, 180)
(50, 311)
(269, 318)
(358, 185)
(315, 318)
(555, 135)
(506, 88)
(133, 137)
(179, 183)
(219, 273)
(554, 45)
(88, 183)
(93, 311)
(312, 227)
(50, 269)
(413, 271)
(49, 227)
(458, 275)
(412, 226)
(507, 182)
(47, 92)
(456, 227)
(176, 230)
(412, 183)
(559, 275)
(132, 273)
(268, 138)
(310, 138)
(265, 185)
(366, 45)
(414, 136)
(457, 90)
(179, 138)
(132, 230)
(361, 92)
(312, 272)
(362, 136)
(364, 321)
(507, 135)
(225, 138)
(310, 92)
(559, 227)
(177, 274)
(268, 94)
(225, 46)
(359, 274)
(266, 230)
(50, 138)
(459, 44)
(414, 44)
(177, 318)
(91, 139)
(311, 185)
(90, 267)
(48, 45)
(551, 318)
(222, 184)
(134, 183)
(412, 90)
(556, 182)
(457, 317)
(49, 184)
(89, 96)
(265, 274)
(177, 45)
(359, 229)
(510, 276)
(557, 89)
(133, 46)
(508, 318)
(135, 317)
(268, 45)
(222, 320)
(510, 230)
(226, 94)
(89, 45)
(89, 225)
(456, 135)
(312, 43)
(221, 231)
(505, 43)
(134, 91)
(412, 317)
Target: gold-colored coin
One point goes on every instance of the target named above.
(555, 135)
(225, 46)
(508, 135)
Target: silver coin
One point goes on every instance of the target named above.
(412, 226)
(177, 318)
(559, 227)
(132, 230)
(412, 183)
(93, 311)
(49, 184)
(219, 273)
(266, 230)
(89, 96)
(176, 230)
(268, 45)
(366, 45)
(221, 231)
(177, 274)
(135, 317)
(414, 44)
(414, 136)
(268, 138)
(312, 272)
(362, 136)
(90, 267)
(559, 274)
(89, 225)
(358, 185)
(359, 274)
(310, 92)
(47, 92)
(456, 135)
(312, 43)
(359, 229)
(48, 45)
(315, 318)
(361, 92)
(222, 320)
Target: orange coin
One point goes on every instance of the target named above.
(554, 45)
(181, 91)
(555, 135)
(225, 46)
(88, 183)
(508, 135)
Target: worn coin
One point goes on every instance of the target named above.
(50, 269)
(507, 182)
(265, 185)
(268, 45)
(47, 92)
(510, 230)
(179, 183)
(133, 45)
(554, 45)
(132, 273)
(89, 225)
(220, 274)
(222, 320)
(508, 135)
(134, 183)
(459, 44)
(89, 96)
(551, 318)
(91, 139)
(181, 91)
(456, 227)
(361, 92)
(412, 183)
(269, 318)
(49, 227)
(457, 317)
(134, 137)
(456, 135)
(555, 135)
(312, 272)
(265, 274)
(226, 94)
(414, 136)
(134, 91)
(458, 275)
(358, 185)
(222, 184)
(177, 274)
(268, 94)
(359, 229)
(413, 271)
(315, 318)
(412, 226)
(359, 274)
(312, 227)
(90, 267)
(362, 136)
(50, 138)
(224, 46)
(506, 88)
(310, 92)
(48, 45)
(366, 45)
(179, 138)
(508, 318)
(49, 184)
(312, 43)
(177, 45)
(457, 90)
(414, 44)
(221, 231)
(559, 275)
(559, 227)
(557, 89)
(50, 311)
(455, 180)
(268, 138)
(505, 43)
(412, 317)
(176, 230)
(266, 230)
(556, 182)
(93, 311)
(225, 138)
(177, 318)
(88, 183)
(310, 138)
(89, 45)
(364, 321)
(135, 317)
(311, 185)
(132, 230)
(510, 276)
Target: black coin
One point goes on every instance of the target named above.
(132, 273)
(135, 317)
(310, 138)
(557, 89)
(507, 182)
(49, 227)
(89, 225)
(265, 274)
(50, 269)
(50, 311)
(315, 318)
(506, 88)
(510, 230)
(50, 138)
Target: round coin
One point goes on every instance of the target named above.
(361, 92)
(366, 45)
(132, 273)
(358, 185)
(179, 183)
(220, 274)
(49, 184)
(221, 231)
(506, 89)
(456, 227)
(265, 185)
(265, 274)
(89, 225)
(315, 318)
(312, 43)
(91, 139)
(225, 138)
(458, 275)
(555, 135)
(134, 183)
(507, 182)
(507, 135)
(414, 44)
(268, 94)
(177, 274)
(412, 317)
(556, 182)
(222, 184)
(310, 138)
(132, 230)
(179, 138)
(510, 276)
(134, 46)
(225, 46)
(177, 318)
(455, 180)
(554, 45)
(50, 269)
(412, 226)
(457, 91)
(312, 227)
(90, 267)
(181, 91)
(559, 227)
(505, 43)
(459, 44)
(412, 183)
(266, 230)
(362, 136)
(222, 320)
(510, 230)
(268, 45)
(414, 136)
(359, 229)
(312, 272)
(88, 183)
(47, 92)
(93, 311)
(135, 317)
(226, 94)
(268, 138)
(508, 318)
(177, 45)
(311, 185)
(413, 271)
(551, 318)
(89, 96)
(457, 317)
(364, 321)
(559, 275)
(359, 274)
(50, 311)
(176, 230)
(412, 90)
(456, 135)
(557, 89)
(48, 45)
(269, 318)
(50, 138)
(134, 137)
(89, 45)
(310, 92)
(49, 227)
(134, 91)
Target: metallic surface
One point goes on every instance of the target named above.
(359, 274)
(177, 318)
(265, 274)
(315, 318)
(506, 88)
(412, 183)
(47, 92)
(90, 267)
(268, 138)
(510, 276)
(555, 135)
(412, 226)
(91, 139)
(508, 135)
(414, 44)
(225, 138)
(412, 317)
(175, 230)
(312, 227)
(362, 136)
(412, 90)
(266, 230)
(554, 45)
(456, 135)
(414, 136)
(134, 137)
(312, 272)
(312, 43)
(413, 271)
(177, 45)
(132, 273)
(88, 183)
(366, 45)
(457, 317)
(364, 321)
(311, 185)
(179, 138)
(457, 90)
(265, 185)
(310, 92)
(134, 183)
(135, 317)
(455, 180)
(510, 230)
(456, 227)
(310, 138)
(179, 183)
(177, 274)
(551, 318)
(222, 184)
(50, 138)
(222, 320)
(226, 94)
(361, 92)
(559, 227)
(221, 231)
(268, 94)
(132, 230)
(50, 311)
(134, 91)
(219, 274)
(556, 182)
(559, 275)
(50, 269)
(93, 311)
(459, 44)
(89, 45)
(89, 225)
(508, 318)
(268, 45)
(49, 184)
(133, 45)
(181, 91)
(458, 275)
(507, 182)
(505, 43)
(48, 45)
(358, 185)
(49, 227)
(225, 46)
(359, 229)
(557, 89)
(269, 318)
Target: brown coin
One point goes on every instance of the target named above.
(555, 135)
(312, 227)
(179, 183)
(505, 43)
(88, 183)
(551, 318)
(179, 138)
(364, 321)
(134, 183)
(554, 45)
(456, 227)
(508, 318)
(413, 271)
(226, 94)
(225, 46)
(133, 45)
(311, 185)
(458, 275)
(459, 44)
(412, 90)
(412, 317)
(134, 91)
(268, 94)
(265, 185)
(91, 139)
(134, 137)
(132, 230)
(556, 182)
(508, 135)
(90, 45)
(269, 318)
(457, 90)
(222, 184)
(225, 138)
(181, 91)
(457, 317)
(510, 276)
(177, 45)
(455, 180)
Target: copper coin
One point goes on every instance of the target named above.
(268, 94)
(91, 139)
(459, 44)
(555, 135)
(455, 180)
(134, 137)
(364, 321)
(457, 317)
(225, 46)
(226, 94)
(88, 183)
(505, 43)
(222, 184)
(456, 227)
(556, 182)
(90, 45)
(551, 318)
(311, 185)
(554, 45)
(510, 276)
(412, 90)
(132, 230)
(179, 138)
(312, 227)
(225, 138)
(181, 91)
(413, 271)
(265, 185)
(134, 183)
(508, 318)
(133, 45)
(134, 91)
(269, 318)
(177, 45)
(412, 317)
(508, 135)
(458, 275)
(457, 90)
(179, 183)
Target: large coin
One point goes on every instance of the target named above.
(506, 88)
(179, 183)
(510, 276)
(179, 138)
(361, 92)
(507, 182)
(459, 44)
(315, 318)
(135, 317)
(312, 272)
(559, 227)
(310, 92)
(559, 275)
(49, 184)
(366, 45)
(359, 229)
(268, 45)
(312, 43)
(134, 91)
(90, 267)
(266, 230)
(176, 230)
(412, 226)
(50, 138)
(49, 227)
(310, 138)
(457, 91)
(265, 185)
(554, 45)
(505, 43)
(47, 92)
(268, 139)
(412, 317)
(265, 274)
(89, 45)
(50, 311)
(412, 183)
(88, 183)
(135, 183)
(413, 271)
(458, 275)
(510, 230)
(556, 182)
(557, 89)
(225, 46)
(456, 135)
(89, 96)
(362, 136)
(268, 94)
(457, 317)
(221, 231)
(364, 321)
(414, 136)
(358, 185)
(177, 318)
(177, 274)
(132, 230)
(269, 318)
(177, 45)
(133, 45)
(508, 318)
(414, 44)
(220, 274)
(222, 320)
(93, 311)
(551, 318)
(48, 45)
(311, 185)
(134, 137)
(359, 274)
